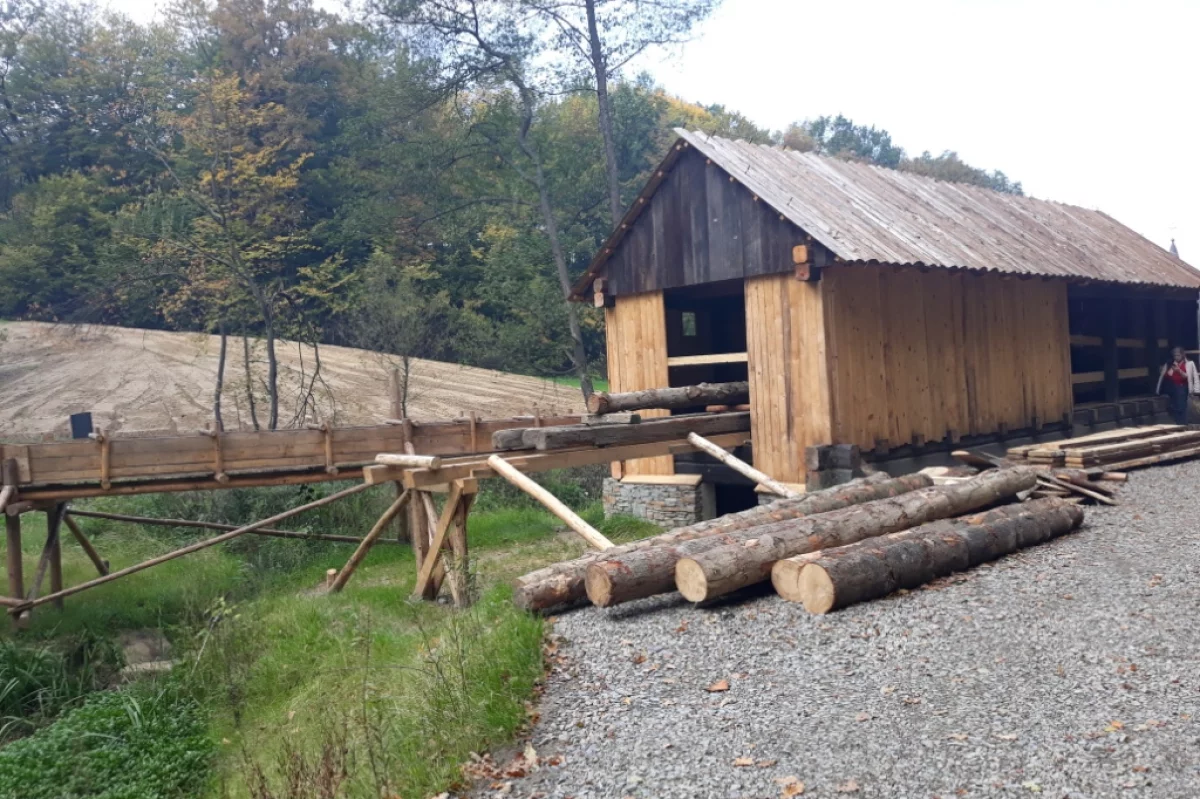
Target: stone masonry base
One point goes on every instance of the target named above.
(667, 504)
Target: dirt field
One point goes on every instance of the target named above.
(151, 381)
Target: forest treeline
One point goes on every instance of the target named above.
(422, 177)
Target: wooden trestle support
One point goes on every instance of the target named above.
(47, 477)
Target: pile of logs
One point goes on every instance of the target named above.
(827, 549)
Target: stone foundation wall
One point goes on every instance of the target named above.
(667, 505)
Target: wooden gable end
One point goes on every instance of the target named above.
(700, 226)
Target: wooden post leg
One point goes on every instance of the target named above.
(460, 584)
(54, 519)
(441, 527)
(403, 526)
(16, 572)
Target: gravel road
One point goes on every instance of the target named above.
(1068, 670)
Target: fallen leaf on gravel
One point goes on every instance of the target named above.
(766, 763)
(789, 786)
(849, 786)
(626, 642)
(887, 690)
(1009, 736)
(958, 736)
(682, 628)
(718, 686)
(1032, 786)
(1113, 726)
(912, 700)
(1155, 581)
(639, 658)
(1141, 769)
(627, 700)
(742, 762)
(862, 717)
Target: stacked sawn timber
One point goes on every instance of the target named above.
(861, 540)
(1124, 448)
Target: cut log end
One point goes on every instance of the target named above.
(599, 586)
(690, 580)
(785, 577)
(816, 589)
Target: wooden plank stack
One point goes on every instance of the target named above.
(1113, 450)
(862, 540)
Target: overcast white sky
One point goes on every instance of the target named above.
(1089, 102)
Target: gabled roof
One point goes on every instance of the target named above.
(869, 214)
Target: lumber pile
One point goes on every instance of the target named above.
(827, 549)
(1114, 450)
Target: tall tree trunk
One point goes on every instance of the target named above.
(579, 353)
(600, 68)
(272, 370)
(249, 380)
(220, 423)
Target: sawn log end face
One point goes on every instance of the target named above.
(815, 589)
(691, 581)
(598, 585)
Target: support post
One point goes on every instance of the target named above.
(12, 529)
(54, 519)
(1112, 379)
(459, 576)
(440, 531)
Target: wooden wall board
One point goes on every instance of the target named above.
(700, 227)
(788, 373)
(924, 354)
(636, 335)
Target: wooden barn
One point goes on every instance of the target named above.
(873, 307)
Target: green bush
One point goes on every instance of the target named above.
(130, 744)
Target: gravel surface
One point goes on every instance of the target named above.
(1068, 670)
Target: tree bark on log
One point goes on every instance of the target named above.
(563, 583)
(708, 572)
(832, 579)
(645, 572)
(733, 393)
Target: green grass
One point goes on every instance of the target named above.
(598, 383)
(139, 743)
(289, 677)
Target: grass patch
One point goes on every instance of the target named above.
(360, 694)
(130, 744)
(598, 383)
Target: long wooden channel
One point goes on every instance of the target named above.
(145, 464)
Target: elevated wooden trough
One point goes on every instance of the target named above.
(452, 457)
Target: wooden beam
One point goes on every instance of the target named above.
(477, 466)
(267, 532)
(196, 547)
(409, 461)
(368, 541)
(513, 475)
(666, 429)
(97, 561)
(705, 360)
(741, 467)
(10, 474)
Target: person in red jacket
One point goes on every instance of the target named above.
(1179, 378)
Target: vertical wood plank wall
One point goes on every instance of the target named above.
(916, 356)
(636, 335)
(788, 371)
